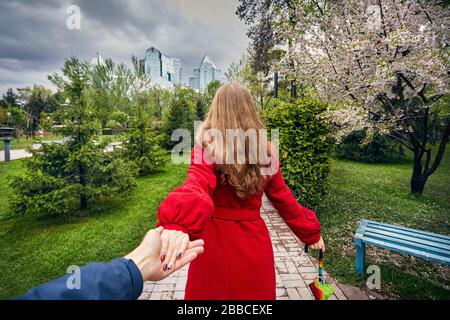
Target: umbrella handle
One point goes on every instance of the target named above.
(320, 251)
(321, 279)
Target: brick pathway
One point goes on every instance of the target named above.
(294, 269)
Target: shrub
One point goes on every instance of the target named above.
(305, 146)
(379, 149)
(180, 115)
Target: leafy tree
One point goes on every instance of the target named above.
(142, 145)
(386, 64)
(180, 115)
(60, 178)
(160, 99)
(9, 99)
(243, 72)
(118, 121)
(205, 99)
(262, 17)
(111, 84)
(35, 101)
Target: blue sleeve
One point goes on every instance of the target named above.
(119, 279)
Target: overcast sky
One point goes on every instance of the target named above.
(35, 40)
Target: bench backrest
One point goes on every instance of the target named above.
(422, 244)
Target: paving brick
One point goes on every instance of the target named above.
(305, 293)
(281, 292)
(181, 283)
(291, 267)
(290, 276)
(307, 269)
(293, 294)
(163, 287)
(178, 295)
(148, 287)
(155, 296)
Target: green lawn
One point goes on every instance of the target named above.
(381, 192)
(25, 143)
(34, 250)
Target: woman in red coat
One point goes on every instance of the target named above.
(221, 203)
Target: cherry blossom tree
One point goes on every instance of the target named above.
(384, 65)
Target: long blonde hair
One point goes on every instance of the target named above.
(233, 108)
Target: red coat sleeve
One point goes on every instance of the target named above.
(302, 221)
(188, 207)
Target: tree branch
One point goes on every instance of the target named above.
(399, 139)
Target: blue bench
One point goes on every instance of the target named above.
(425, 245)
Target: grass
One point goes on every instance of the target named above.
(381, 192)
(36, 249)
(26, 143)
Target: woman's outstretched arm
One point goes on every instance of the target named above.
(188, 207)
(302, 221)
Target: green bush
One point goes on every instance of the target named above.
(305, 147)
(380, 149)
(181, 114)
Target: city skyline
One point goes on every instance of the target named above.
(166, 72)
(35, 40)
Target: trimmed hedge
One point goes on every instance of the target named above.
(305, 146)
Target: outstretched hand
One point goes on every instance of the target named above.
(148, 259)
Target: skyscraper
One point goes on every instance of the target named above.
(160, 69)
(204, 74)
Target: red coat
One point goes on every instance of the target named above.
(238, 260)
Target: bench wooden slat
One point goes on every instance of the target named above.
(410, 233)
(412, 239)
(413, 252)
(398, 228)
(405, 244)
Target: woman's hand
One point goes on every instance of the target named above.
(147, 256)
(173, 244)
(319, 245)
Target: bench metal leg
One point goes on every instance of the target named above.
(360, 256)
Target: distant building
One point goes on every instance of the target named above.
(161, 70)
(204, 74)
(97, 60)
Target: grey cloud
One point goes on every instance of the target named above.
(34, 40)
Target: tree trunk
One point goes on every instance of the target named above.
(83, 201)
(419, 178)
(418, 183)
(293, 90)
(275, 85)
